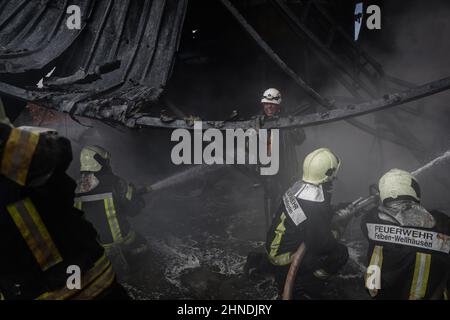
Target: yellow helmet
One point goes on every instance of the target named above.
(397, 183)
(3, 117)
(320, 166)
(87, 160)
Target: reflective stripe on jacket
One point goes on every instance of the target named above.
(110, 211)
(17, 155)
(93, 282)
(35, 233)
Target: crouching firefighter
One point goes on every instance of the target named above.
(107, 201)
(45, 241)
(408, 254)
(304, 218)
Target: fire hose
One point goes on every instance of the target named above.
(292, 273)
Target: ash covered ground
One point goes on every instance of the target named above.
(200, 240)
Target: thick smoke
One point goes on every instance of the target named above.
(414, 46)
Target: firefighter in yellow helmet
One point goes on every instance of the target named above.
(41, 233)
(108, 201)
(408, 254)
(304, 216)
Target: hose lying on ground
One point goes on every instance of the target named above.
(292, 273)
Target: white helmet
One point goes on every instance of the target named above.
(320, 166)
(271, 95)
(396, 183)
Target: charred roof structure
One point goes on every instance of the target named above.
(117, 67)
(123, 53)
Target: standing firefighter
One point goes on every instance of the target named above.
(408, 245)
(289, 162)
(41, 233)
(107, 201)
(304, 216)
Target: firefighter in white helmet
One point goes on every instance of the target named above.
(108, 201)
(274, 185)
(289, 140)
(408, 254)
(304, 216)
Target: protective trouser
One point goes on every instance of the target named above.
(36, 235)
(307, 284)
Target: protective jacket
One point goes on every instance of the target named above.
(41, 232)
(289, 162)
(304, 215)
(108, 201)
(408, 254)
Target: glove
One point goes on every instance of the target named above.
(341, 219)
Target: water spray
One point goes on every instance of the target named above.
(362, 204)
(181, 177)
(432, 163)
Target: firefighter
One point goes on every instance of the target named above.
(289, 139)
(42, 235)
(108, 201)
(304, 216)
(408, 254)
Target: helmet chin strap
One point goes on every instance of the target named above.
(328, 186)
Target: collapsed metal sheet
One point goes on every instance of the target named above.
(33, 33)
(117, 113)
(123, 52)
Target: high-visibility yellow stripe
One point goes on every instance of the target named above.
(53, 250)
(110, 210)
(112, 219)
(93, 197)
(279, 233)
(285, 258)
(281, 259)
(375, 260)
(78, 205)
(420, 278)
(35, 234)
(98, 286)
(129, 194)
(17, 155)
(93, 282)
(445, 294)
(127, 240)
